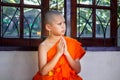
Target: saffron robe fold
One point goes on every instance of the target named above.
(62, 70)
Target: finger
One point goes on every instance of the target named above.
(63, 40)
(61, 43)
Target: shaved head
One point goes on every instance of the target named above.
(49, 16)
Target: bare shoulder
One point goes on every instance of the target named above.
(45, 46)
(42, 46)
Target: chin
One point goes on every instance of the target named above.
(63, 34)
(60, 35)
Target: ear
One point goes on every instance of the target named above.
(48, 27)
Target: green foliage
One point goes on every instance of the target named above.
(57, 5)
(11, 1)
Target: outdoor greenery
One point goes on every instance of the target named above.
(84, 19)
(84, 22)
(11, 20)
(32, 25)
(57, 5)
(11, 1)
(118, 14)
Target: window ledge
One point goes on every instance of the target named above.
(11, 48)
(102, 48)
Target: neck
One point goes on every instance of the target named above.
(54, 39)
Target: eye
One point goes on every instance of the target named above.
(60, 23)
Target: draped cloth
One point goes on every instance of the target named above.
(62, 70)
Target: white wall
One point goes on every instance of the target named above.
(22, 65)
(104, 65)
(17, 65)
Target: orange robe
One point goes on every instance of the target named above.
(62, 70)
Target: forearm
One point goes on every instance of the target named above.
(75, 64)
(50, 65)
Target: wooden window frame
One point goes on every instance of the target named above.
(23, 42)
(112, 41)
(70, 9)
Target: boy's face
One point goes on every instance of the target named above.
(58, 25)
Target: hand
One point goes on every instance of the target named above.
(60, 47)
(65, 46)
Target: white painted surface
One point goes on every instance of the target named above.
(104, 65)
(17, 65)
(22, 65)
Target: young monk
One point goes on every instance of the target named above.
(58, 55)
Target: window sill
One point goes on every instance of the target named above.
(102, 48)
(11, 48)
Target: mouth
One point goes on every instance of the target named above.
(63, 31)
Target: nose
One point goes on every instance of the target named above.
(63, 25)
